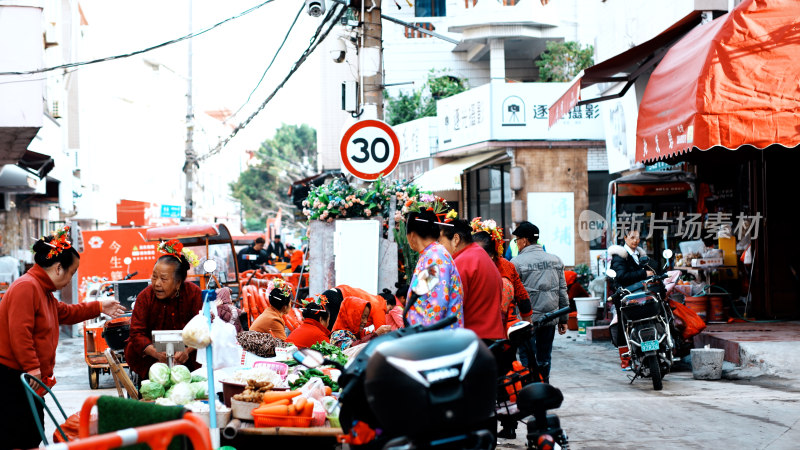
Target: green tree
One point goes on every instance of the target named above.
(562, 61)
(289, 156)
(422, 102)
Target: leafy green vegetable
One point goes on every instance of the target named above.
(180, 374)
(330, 351)
(200, 389)
(181, 393)
(151, 390)
(197, 378)
(159, 372)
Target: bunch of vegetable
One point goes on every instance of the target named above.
(281, 403)
(330, 351)
(302, 377)
(178, 385)
(254, 391)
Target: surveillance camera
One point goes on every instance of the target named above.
(338, 50)
(316, 8)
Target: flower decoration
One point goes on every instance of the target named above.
(281, 285)
(318, 299)
(489, 226)
(174, 247)
(59, 242)
(337, 199)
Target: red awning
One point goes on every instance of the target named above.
(729, 83)
(625, 67)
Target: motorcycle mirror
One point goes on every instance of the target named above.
(127, 260)
(209, 266)
(309, 358)
(611, 273)
(667, 253)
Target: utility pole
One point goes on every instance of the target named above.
(191, 157)
(372, 59)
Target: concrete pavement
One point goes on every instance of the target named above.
(754, 407)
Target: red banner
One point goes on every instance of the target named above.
(566, 102)
(105, 253)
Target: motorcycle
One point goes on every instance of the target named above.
(522, 394)
(401, 392)
(648, 325)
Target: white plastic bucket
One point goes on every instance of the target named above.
(587, 306)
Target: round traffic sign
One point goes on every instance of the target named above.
(370, 149)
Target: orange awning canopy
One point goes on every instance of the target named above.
(728, 83)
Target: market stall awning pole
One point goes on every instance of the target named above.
(209, 295)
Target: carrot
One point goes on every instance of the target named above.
(300, 404)
(274, 396)
(284, 402)
(328, 390)
(280, 410)
(308, 410)
(292, 410)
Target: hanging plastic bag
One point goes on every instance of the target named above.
(694, 324)
(196, 333)
(226, 351)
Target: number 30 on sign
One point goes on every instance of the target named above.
(370, 149)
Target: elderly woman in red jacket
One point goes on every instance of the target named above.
(29, 320)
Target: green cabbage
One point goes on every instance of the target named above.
(181, 394)
(200, 389)
(180, 374)
(151, 390)
(196, 378)
(159, 372)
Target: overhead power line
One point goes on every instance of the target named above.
(316, 39)
(139, 52)
(263, 75)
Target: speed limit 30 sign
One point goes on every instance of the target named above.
(370, 149)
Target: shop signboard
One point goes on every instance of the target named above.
(418, 138)
(512, 112)
(619, 119)
(106, 252)
(171, 211)
(554, 214)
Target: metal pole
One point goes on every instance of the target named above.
(191, 157)
(372, 38)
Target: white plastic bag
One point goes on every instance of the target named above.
(196, 333)
(226, 350)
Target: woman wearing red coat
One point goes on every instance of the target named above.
(314, 328)
(29, 320)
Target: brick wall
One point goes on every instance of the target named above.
(598, 160)
(557, 170)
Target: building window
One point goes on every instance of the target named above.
(489, 194)
(430, 8)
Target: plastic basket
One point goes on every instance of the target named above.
(279, 367)
(266, 420)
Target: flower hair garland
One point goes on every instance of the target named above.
(318, 299)
(280, 284)
(174, 247)
(59, 242)
(489, 226)
(433, 203)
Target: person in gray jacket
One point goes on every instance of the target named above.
(543, 276)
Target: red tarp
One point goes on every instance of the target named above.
(730, 82)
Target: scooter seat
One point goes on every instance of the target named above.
(537, 398)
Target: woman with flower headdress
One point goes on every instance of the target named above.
(314, 328)
(435, 291)
(29, 321)
(168, 303)
(514, 296)
(280, 303)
